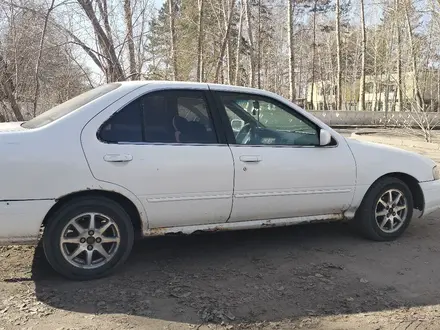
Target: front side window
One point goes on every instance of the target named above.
(257, 120)
(162, 117)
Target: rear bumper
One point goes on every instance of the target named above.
(20, 221)
(431, 193)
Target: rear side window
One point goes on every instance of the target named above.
(69, 106)
(171, 116)
(158, 121)
(196, 121)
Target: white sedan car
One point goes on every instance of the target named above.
(135, 159)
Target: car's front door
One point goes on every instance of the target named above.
(162, 146)
(281, 171)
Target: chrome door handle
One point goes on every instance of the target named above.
(118, 158)
(250, 159)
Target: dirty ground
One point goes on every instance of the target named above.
(304, 277)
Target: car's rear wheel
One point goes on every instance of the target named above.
(386, 210)
(88, 238)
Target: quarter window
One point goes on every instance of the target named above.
(124, 125)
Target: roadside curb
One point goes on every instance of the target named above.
(395, 141)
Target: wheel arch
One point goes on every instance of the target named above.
(128, 205)
(413, 185)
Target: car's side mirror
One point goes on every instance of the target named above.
(324, 137)
(237, 124)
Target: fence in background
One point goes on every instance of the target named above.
(374, 118)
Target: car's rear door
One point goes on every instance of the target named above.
(181, 178)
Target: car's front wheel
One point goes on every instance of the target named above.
(88, 238)
(386, 210)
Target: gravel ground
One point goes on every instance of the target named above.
(312, 277)
(304, 277)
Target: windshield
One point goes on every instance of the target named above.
(69, 106)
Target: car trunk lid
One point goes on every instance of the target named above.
(14, 126)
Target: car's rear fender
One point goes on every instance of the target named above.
(21, 219)
(126, 199)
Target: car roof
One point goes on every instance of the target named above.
(224, 87)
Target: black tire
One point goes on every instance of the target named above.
(57, 222)
(365, 219)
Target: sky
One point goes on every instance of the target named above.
(158, 3)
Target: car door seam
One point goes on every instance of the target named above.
(355, 186)
(233, 183)
(88, 163)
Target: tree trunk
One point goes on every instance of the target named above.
(324, 96)
(237, 59)
(129, 26)
(363, 55)
(226, 77)
(8, 87)
(338, 51)
(290, 13)
(330, 104)
(114, 69)
(251, 43)
(417, 95)
(37, 64)
(173, 38)
(201, 4)
(374, 105)
(399, 68)
(399, 57)
(259, 46)
(103, 8)
(224, 42)
(313, 53)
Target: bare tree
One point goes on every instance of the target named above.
(40, 52)
(251, 44)
(323, 54)
(420, 122)
(200, 37)
(237, 56)
(338, 57)
(173, 38)
(413, 55)
(363, 55)
(290, 13)
(129, 26)
(312, 86)
(226, 9)
(113, 69)
(259, 46)
(225, 41)
(8, 89)
(399, 53)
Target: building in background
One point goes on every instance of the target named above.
(381, 93)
